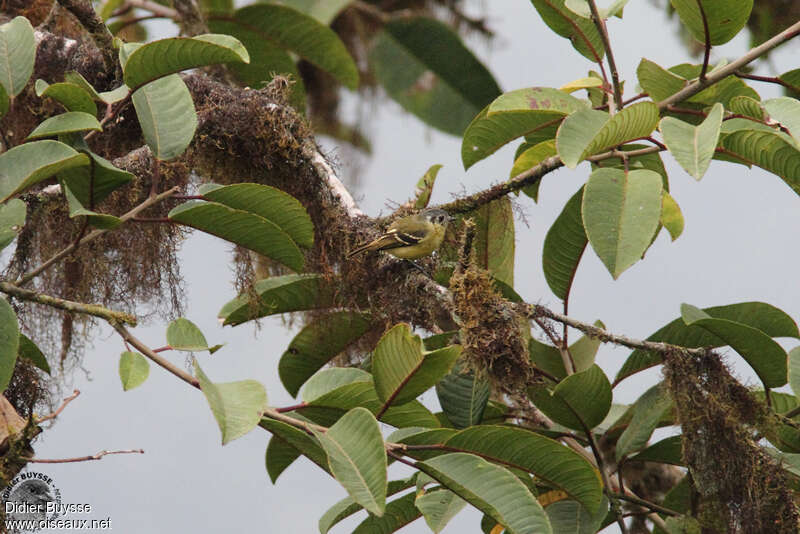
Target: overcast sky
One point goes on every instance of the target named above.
(740, 244)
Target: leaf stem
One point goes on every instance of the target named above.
(612, 64)
(707, 46)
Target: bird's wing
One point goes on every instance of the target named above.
(395, 239)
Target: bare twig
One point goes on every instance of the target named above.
(60, 409)
(150, 201)
(97, 456)
(94, 310)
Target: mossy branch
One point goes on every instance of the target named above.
(94, 310)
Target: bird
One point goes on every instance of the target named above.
(411, 237)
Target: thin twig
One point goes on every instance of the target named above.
(56, 413)
(154, 8)
(155, 358)
(647, 504)
(612, 64)
(97, 456)
(707, 46)
(150, 201)
(768, 79)
(94, 310)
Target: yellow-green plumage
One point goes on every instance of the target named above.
(411, 237)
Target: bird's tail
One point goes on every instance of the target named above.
(358, 250)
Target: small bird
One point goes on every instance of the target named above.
(411, 237)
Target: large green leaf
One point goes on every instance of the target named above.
(563, 247)
(667, 451)
(166, 115)
(693, 146)
(569, 517)
(765, 356)
(758, 315)
(357, 459)
(439, 506)
(491, 489)
(463, 397)
(298, 439)
(76, 209)
(657, 81)
(398, 514)
(550, 461)
(724, 18)
(773, 151)
(494, 239)
(271, 203)
(621, 212)
(747, 107)
(237, 406)
(581, 401)
(671, 216)
(534, 112)
(318, 342)
(240, 227)
(71, 96)
(17, 55)
(28, 164)
(347, 506)
(168, 56)
(279, 455)
(12, 219)
(29, 350)
(101, 177)
(133, 370)
(421, 63)
(322, 10)
(648, 410)
(65, 123)
(278, 294)
(9, 342)
(182, 334)
(581, 32)
(402, 370)
(548, 358)
(785, 111)
(292, 30)
(589, 132)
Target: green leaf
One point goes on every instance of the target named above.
(438, 507)
(621, 213)
(491, 489)
(758, 315)
(133, 370)
(463, 397)
(657, 81)
(569, 517)
(588, 82)
(550, 461)
(76, 78)
(29, 350)
(724, 18)
(651, 161)
(166, 115)
(765, 356)
(589, 132)
(101, 177)
(581, 8)
(157, 59)
(581, 32)
(772, 151)
(785, 111)
(115, 95)
(749, 107)
(531, 157)
(648, 410)
(278, 294)
(580, 401)
(684, 524)
(298, 439)
(289, 29)
(30, 163)
(723, 91)
(791, 77)
(237, 406)
(71, 121)
(794, 370)
(17, 54)
(76, 209)
(693, 146)
(12, 219)
(535, 112)
(667, 451)
(243, 228)
(347, 506)
(421, 62)
(671, 216)
(278, 457)
(280, 208)
(322, 10)
(357, 459)
(402, 371)
(585, 349)
(71, 96)
(398, 514)
(425, 187)
(182, 334)
(563, 247)
(9, 342)
(319, 341)
(494, 239)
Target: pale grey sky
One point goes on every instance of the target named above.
(739, 244)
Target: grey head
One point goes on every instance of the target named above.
(437, 216)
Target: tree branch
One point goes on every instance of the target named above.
(86, 15)
(60, 409)
(97, 456)
(707, 47)
(94, 310)
(612, 64)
